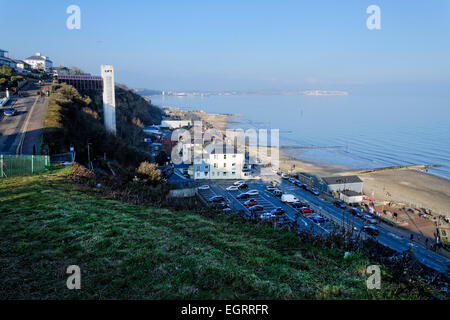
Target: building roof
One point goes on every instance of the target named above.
(79, 77)
(341, 180)
(351, 193)
(38, 57)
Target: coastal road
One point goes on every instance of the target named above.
(19, 133)
(388, 235)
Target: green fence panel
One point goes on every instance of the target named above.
(18, 165)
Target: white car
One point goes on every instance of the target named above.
(232, 188)
(285, 176)
(237, 183)
(203, 187)
(253, 192)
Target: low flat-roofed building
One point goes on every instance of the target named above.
(351, 197)
(341, 183)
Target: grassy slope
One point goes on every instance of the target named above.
(126, 251)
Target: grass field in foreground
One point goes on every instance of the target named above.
(136, 252)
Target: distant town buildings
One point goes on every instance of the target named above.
(40, 62)
(5, 60)
(109, 100)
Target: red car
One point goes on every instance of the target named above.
(306, 210)
(251, 202)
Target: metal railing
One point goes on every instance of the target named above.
(19, 165)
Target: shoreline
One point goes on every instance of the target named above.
(408, 187)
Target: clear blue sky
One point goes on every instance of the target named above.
(214, 45)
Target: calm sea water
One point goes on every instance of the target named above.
(361, 131)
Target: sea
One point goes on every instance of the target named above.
(357, 131)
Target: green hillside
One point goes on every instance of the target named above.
(133, 252)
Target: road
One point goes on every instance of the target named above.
(321, 206)
(20, 132)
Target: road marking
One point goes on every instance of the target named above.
(24, 128)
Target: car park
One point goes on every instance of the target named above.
(319, 219)
(217, 199)
(356, 212)
(250, 202)
(306, 210)
(278, 211)
(232, 188)
(243, 196)
(256, 208)
(10, 111)
(253, 192)
(371, 230)
(203, 187)
(340, 204)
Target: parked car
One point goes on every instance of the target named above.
(284, 176)
(10, 111)
(298, 184)
(227, 210)
(371, 230)
(243, 186)
(223, 205)
(299, 204)
(277, 211)
(203, 187)
(369, 219)
(314, 191)
(306, 210)
(356, 212)
(253, 192)
(340, 204)
(267, 215)
(277, 193)
(237, 183)
(288, 198)
(292, 180)
(306, 187)
(270, 188)
(217, 199)
(256, 208)
(233, 188)
(243, 196)
(250, 202)
(319, 219)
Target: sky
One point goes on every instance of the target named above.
(240, 45)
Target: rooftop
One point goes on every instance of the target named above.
(221, 149)
(351, 193)
(341, 180)
(79, 77)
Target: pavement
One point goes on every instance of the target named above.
(322, 206)
(20, 132)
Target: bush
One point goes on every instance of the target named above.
(150, 171)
